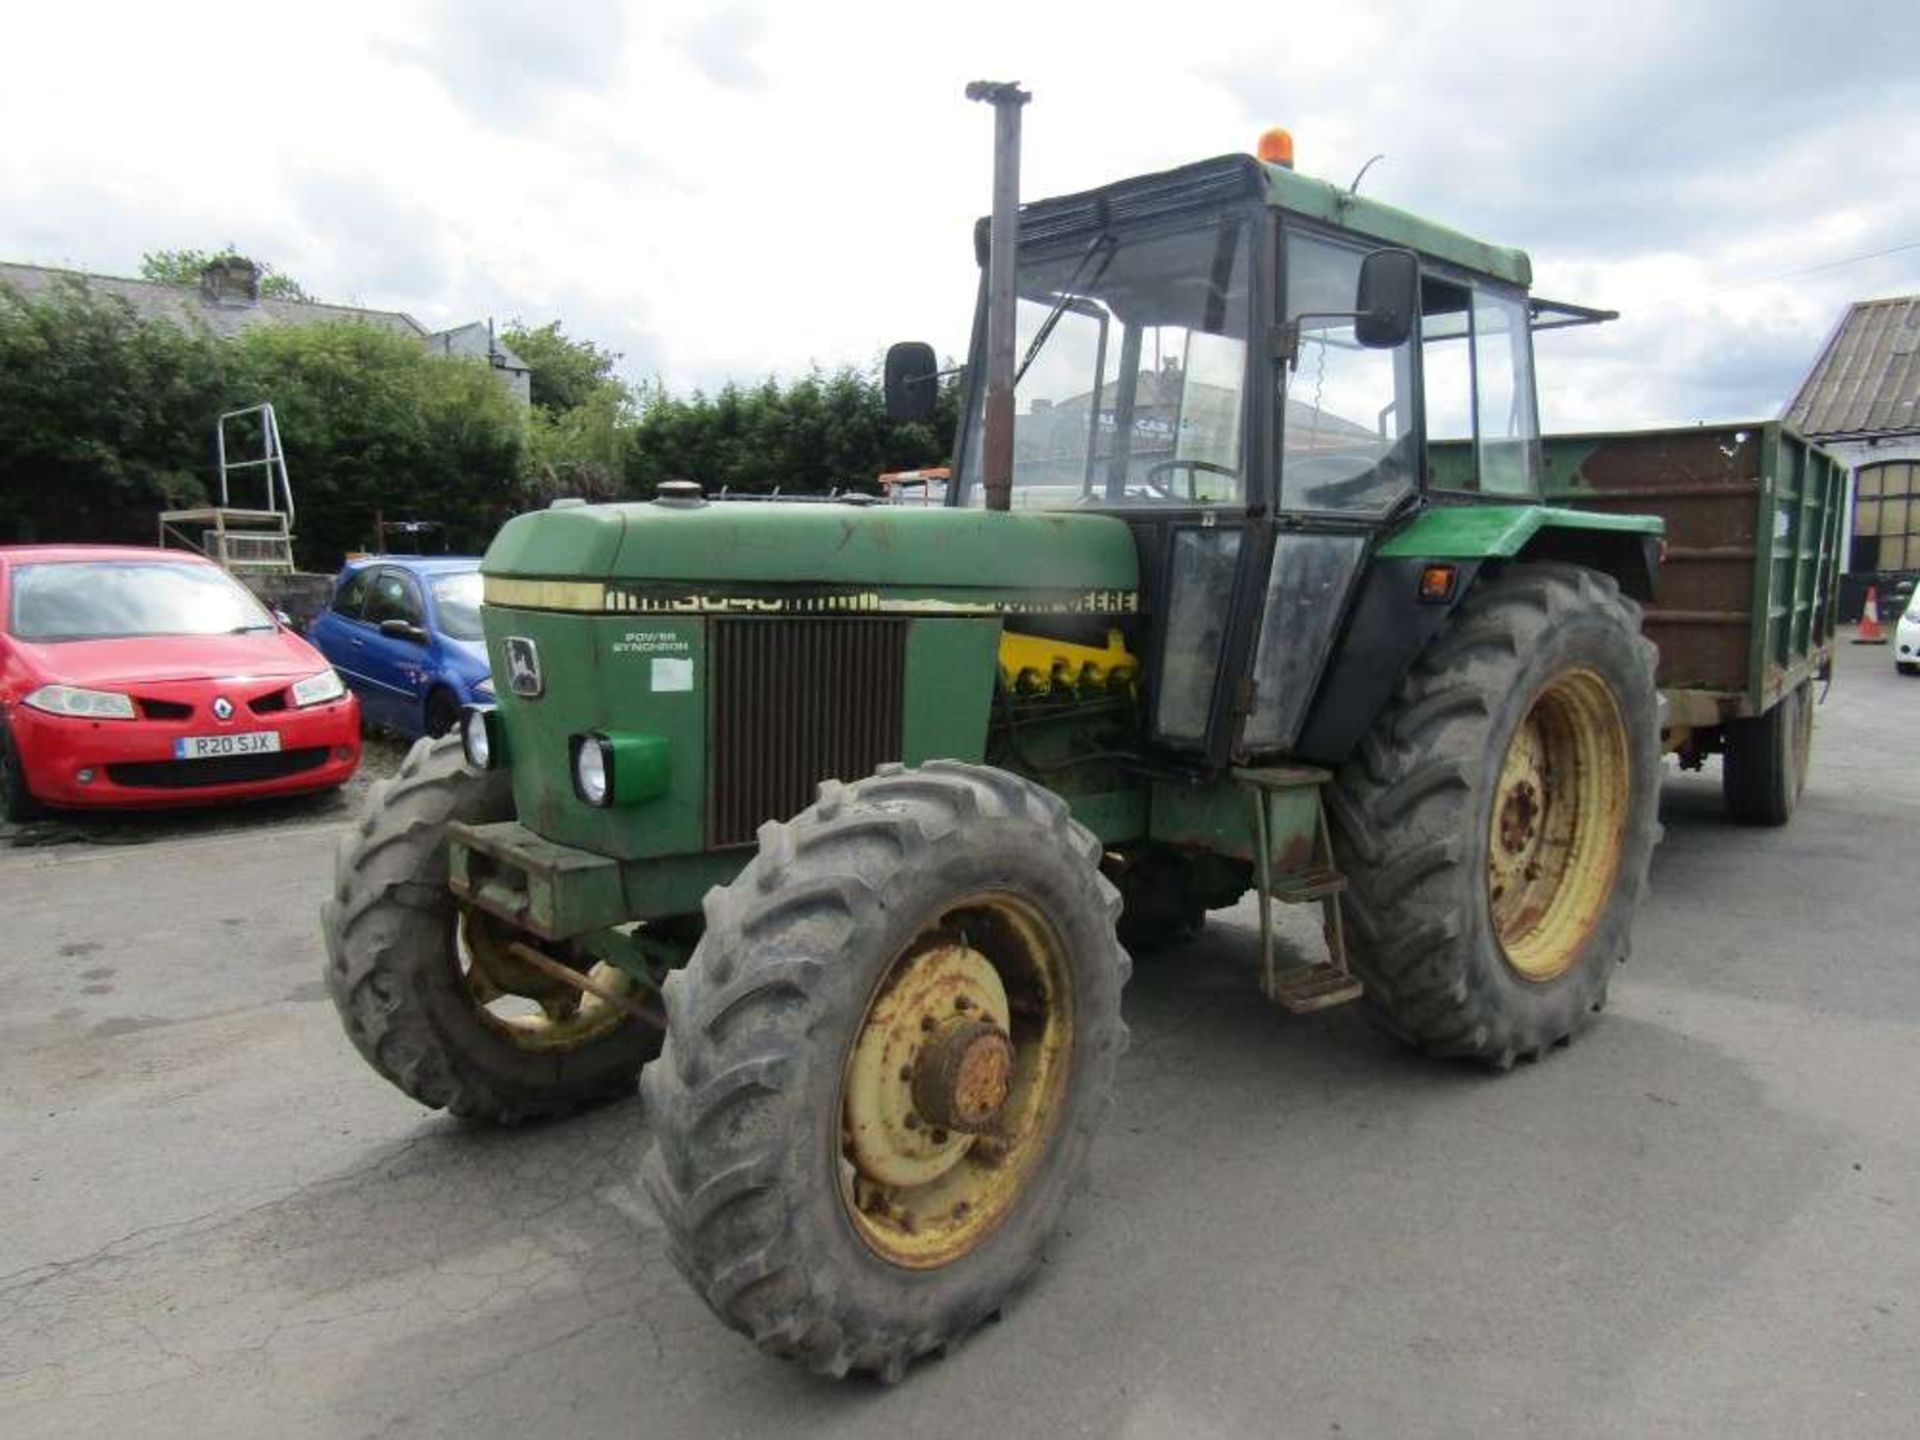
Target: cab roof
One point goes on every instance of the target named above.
(1229, 177)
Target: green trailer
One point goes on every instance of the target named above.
(1745, 614)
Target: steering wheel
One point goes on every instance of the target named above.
(1192, 467)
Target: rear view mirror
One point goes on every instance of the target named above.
(912, 382)
(1387, 299)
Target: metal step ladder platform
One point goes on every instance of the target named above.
(1293, 863)
(242, 539)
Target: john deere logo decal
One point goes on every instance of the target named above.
(222, 708)
(523, 667)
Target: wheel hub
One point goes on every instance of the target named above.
(963, 1075)
(932, 1068)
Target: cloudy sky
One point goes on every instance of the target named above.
(729, 189)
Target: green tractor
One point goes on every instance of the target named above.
(843, 820)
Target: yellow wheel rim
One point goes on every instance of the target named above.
(954, 1081)
(532, 1010)
(1559, 818)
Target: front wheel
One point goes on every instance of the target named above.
(1497, 822)
(435, 995)
(16, 797)
(885, 1064)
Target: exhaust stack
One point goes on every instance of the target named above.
(996, 445)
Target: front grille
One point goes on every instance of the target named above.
(164, 709)
(222, 770)
(270, 703)
(792, 703)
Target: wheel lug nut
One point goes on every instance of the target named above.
(939, 1137)
(962, 1002)
(926, 1022)
(906, 1072)
(912, 1122)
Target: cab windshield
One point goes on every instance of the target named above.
(1131, 352)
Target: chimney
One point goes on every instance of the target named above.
(231, 280)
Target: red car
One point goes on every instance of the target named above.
(136, 677)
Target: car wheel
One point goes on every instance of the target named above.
(16, 800)
(442, 714)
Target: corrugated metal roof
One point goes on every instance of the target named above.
(1867, 380)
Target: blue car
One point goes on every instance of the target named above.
(404, 633)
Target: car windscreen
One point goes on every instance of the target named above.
(108, 599)
(456, 604)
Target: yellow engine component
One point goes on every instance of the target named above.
(1030, 664)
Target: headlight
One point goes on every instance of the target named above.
(477, 736)
(81, 704)
(318, 689)
(619, 768)
(592, 769)
(485, 687)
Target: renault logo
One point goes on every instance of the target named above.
(222, 708)
(523, 667)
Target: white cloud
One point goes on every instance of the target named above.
(725, 192)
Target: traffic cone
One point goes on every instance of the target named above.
(1871, 631)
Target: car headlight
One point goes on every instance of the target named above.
(480, 737)
(485, 687)
(593, 769)
(82, 704)
(318, 689)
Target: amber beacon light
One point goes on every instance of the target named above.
(1276, 147)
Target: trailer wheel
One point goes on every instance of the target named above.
(431, 994)
(1496, 823)
(1765, 766)
(885, 1064)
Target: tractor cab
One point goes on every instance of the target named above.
(1266, 377)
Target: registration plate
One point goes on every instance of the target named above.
(212, 747)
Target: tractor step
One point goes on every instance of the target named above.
(1302, 989)
(1303, 886)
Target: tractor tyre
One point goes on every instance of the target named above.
(413, 973)
(1496, 822)
(885, 1063)
(1765, 765)
(16, 797)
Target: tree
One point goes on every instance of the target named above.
(373, 423)
(564, 374)
(105, 418)
(184, 267)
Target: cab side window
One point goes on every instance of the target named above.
(1477, 380)
(1509, 433)
(393, 597)
(351, 598)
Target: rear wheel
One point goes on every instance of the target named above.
(436, 996)
(885, 1064)
(16, 798)
(1765, 766)
(1497, 822)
